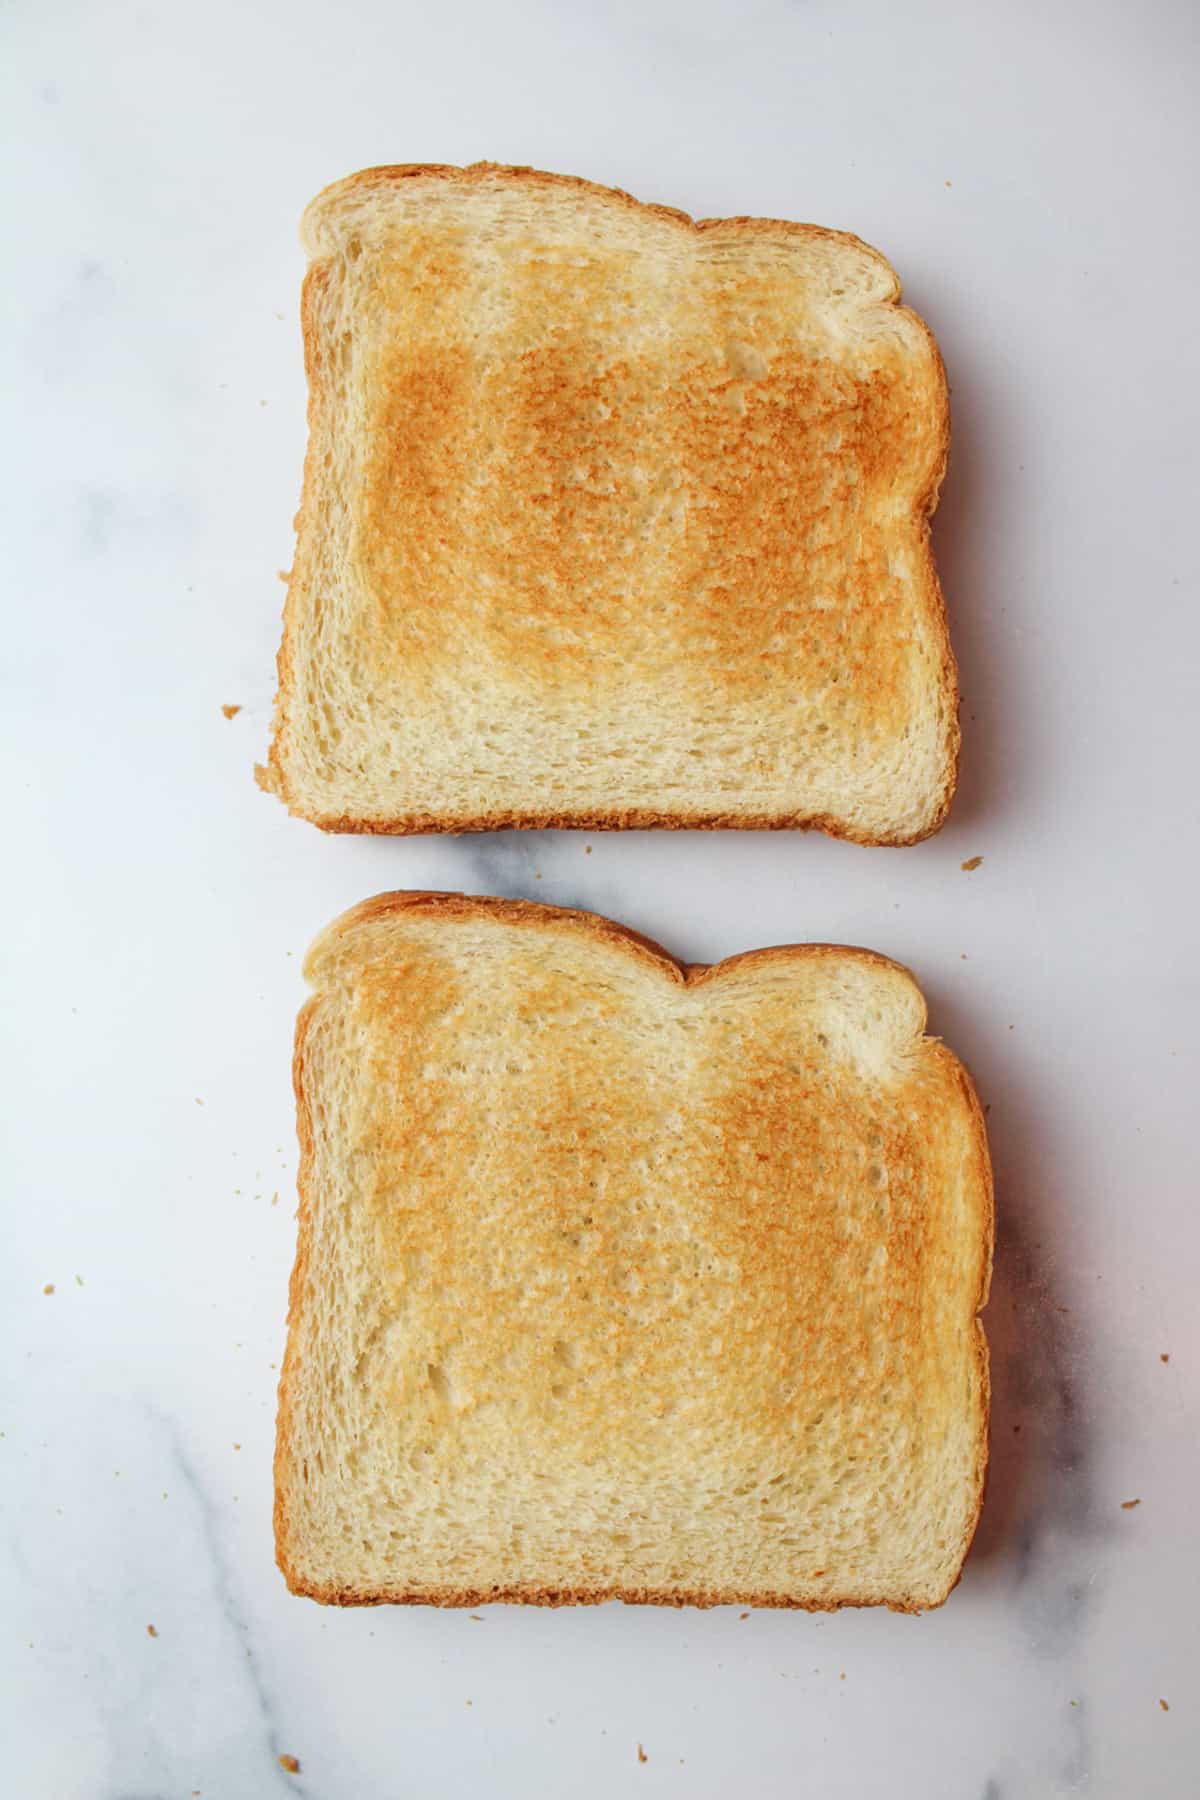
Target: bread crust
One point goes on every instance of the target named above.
(533, 914)
(274, 777)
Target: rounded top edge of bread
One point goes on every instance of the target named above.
(331, 947)
(338, 206)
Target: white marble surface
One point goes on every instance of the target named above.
(1032, 172)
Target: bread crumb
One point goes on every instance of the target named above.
(49, 1288)
(231, 709)
(745, 1615)
(275, 1198)
(1128, 1505)
(587, 849)
(152, 1631)
(949, 184)
(237, 1446)
(642, 1757)
(1164, 1356)
(971, 863)
(842, 1676)
(290, 1763)
(199, 1101)
(477, 1618)
(1164, 1706)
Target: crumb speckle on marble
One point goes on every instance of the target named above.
(642, 1757)
(1128, 1505)
(152, 1631)
(1164, 1356)
(231, 709)
(290, 1763)
(1164, 1706)
(971, 864)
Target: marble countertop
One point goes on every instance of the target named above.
(1025, 171)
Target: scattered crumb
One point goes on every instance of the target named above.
(152, 1631)
(745, 1615)
(1074, 1703)
(1017, 1429)
(275, 1198)
(962, 956)
(237, 1446)
(468, 1703)
(587, 849)
(49, 1288)
(642, 1757)
(290, 1763)
(79, 1281)
(971, 863)
(1164, 1706)
(842, 1676)
(284, 575)
(1128, 1505)
(537, 874)
(987, 1109)
(478, 1617)
(199, 1101)
(1164, 1356)
(231, 709)
(949, 184)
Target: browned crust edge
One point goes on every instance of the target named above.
(274, 777)
(568, 1596)
(451, 905)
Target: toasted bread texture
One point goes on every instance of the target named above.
(619, 1279)
(610, 518)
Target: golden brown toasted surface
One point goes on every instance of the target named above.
(586, 479)
(620, 1279)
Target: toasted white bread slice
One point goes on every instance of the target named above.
(610, 518)
(620, 1279)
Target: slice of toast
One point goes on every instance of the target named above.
(619, 1279)
(610, 518)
